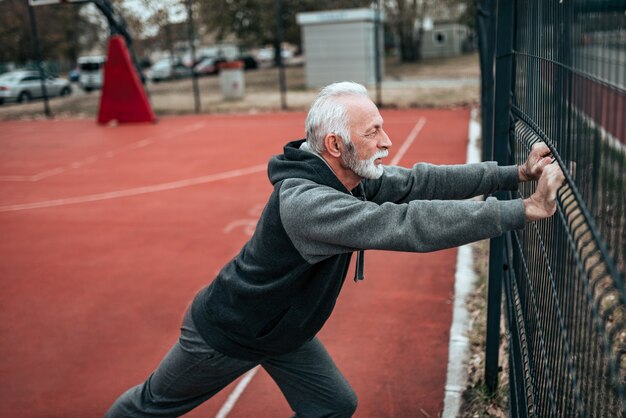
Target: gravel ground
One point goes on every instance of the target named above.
(450, 82)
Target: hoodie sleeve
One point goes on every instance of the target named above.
(427, 181)
(322, 222)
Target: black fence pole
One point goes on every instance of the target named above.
(502, 107)
(486, 36)
(42, 76)
(192, 47)
(494, 300)
(278, 56)
(377, 57)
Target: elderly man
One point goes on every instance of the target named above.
(332, 197)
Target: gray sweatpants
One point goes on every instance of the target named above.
(193, 372)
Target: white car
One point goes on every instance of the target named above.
(91, 72)
(164, 70)
(23, 86)
(206, 66)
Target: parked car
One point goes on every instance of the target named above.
(206, 66)
(165, 70)
(74, 75)
(266, 56)
(23, 86)
(91, 72)
(249, 62)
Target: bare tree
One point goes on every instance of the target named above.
(253, 22)
(63, 32)
(167, 20)
(406, 18)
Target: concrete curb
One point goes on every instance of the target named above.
(464, 279)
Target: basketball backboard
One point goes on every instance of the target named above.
(43, 2)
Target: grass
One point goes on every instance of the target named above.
(477, 401)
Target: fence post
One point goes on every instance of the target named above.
(42, 76)
(486, 28)
(278, 54)
(194, 77)
(502, 106)
(377, 53)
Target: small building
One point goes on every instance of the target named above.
(446, 40)
(339, 45)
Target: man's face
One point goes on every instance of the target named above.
(369, 141)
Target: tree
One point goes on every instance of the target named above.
(136, 25)
(468, 17)
(15, 37)
(406, 17)
(167, 21)
(61, 28)
(253, 22)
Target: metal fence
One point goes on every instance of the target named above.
(561, 79)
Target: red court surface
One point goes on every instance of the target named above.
(108, 232)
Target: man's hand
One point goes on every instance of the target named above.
(538, 158)
(542, 203)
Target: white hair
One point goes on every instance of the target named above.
(327, 114)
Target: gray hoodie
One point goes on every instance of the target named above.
(278, 292)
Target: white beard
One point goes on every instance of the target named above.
(364, 168)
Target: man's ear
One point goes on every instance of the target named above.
(333, 145)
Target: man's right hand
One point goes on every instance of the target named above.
(542, 203)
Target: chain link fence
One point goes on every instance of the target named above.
(561, 79)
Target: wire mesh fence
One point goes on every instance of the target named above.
(564, 277)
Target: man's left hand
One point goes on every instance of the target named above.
(539, 157)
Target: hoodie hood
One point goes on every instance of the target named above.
(300, 163)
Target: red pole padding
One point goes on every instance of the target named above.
(123, 98)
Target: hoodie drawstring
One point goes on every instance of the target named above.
(360, 260)
(360, 256)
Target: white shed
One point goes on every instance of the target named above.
(445, 40)
(339, 45)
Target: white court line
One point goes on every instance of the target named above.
(108, 154)
(135, 191)
(408, 141)
(236, 393)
